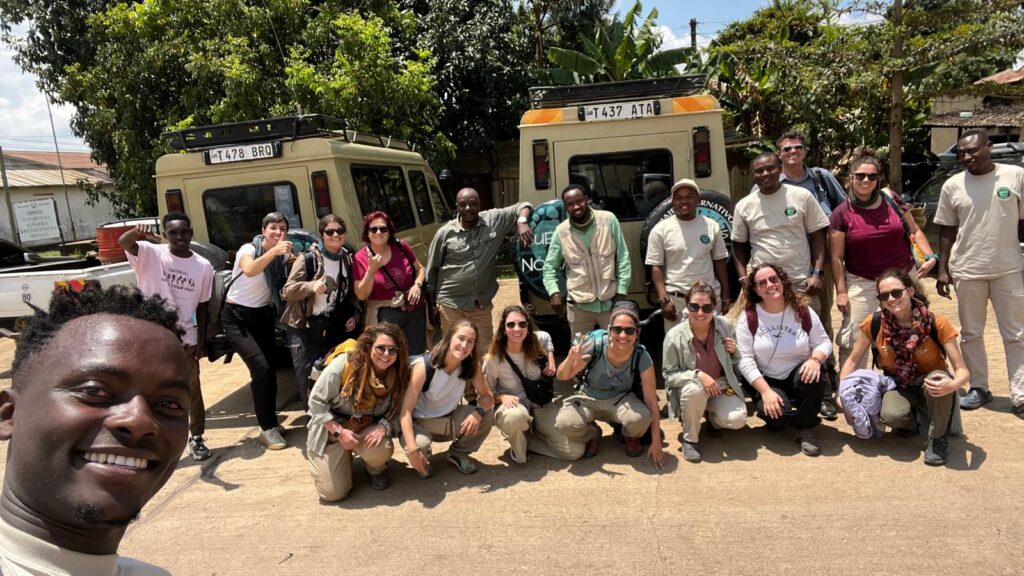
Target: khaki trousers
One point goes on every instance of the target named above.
(578, 413)
(1007, 295)
(897, 409)
(332, 472)
(863, 303)
(583, 321)
(515, 423)
(681, 312)
(479, 316)
(446, 428)
(724, 411)
(196, 408)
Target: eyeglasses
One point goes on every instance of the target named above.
(522, 324)
(769, 280)
(334, 231)
(862, 176)
(628, 330)
(793, 147)
(378, 229)
(706, 308)
(891, 294)
(386, 350)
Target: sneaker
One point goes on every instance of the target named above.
(936, 451)
(975, 398)
(828, 410)
(197, 448)
(273, 440)
(591, 449)
(713, 431)
(1018, 411)
(690, 451)
(907, 432)
(464, 464)
(633, 447)
(379, 481)
(808, 443)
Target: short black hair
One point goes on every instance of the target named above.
(174, 216)
(768, 154)
(981, 133)
(791, 134)
(67, 304)
(571, 187)
(274, 218)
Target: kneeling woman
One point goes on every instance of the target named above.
(432, 408)
(913, 345)
(699, 377)
(519, 351)
(615, 362)
(351, 407)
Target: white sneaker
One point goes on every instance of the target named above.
(273, 440)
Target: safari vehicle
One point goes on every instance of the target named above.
(229, 176)
(625, 143)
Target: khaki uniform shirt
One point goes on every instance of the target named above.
(686, 251)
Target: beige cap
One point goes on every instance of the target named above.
(685, 183)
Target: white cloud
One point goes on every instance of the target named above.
(669, 38)
(859, 18)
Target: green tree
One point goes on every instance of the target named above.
(561, 23)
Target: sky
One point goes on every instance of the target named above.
(25, 125)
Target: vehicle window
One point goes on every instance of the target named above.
(383, 188)
(235, 214)
(630, 184)
(443, 212)
(421, 194)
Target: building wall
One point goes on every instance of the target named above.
(78, 224)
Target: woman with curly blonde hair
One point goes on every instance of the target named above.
(351, 407)
(782, 348)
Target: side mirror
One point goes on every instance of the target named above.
(32, 258)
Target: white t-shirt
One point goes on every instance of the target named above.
(503, 380)
(780, 344)
(442, 396)
(22, 554)
(250, 291)
(987, 209)
(686, 250)
(776, 226)
(185, 282)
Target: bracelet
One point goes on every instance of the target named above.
(818, 272)
(932, 256)
(820, 362)
(479, 411)
(663, 301)
(409, 452)
(386, 425)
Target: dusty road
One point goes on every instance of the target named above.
(755, 505)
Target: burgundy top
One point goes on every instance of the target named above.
(400, 266)
(874, 239)
(707, 360)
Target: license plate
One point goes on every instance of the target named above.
(242, 153)
(620, 111)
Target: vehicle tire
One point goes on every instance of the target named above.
(714, 205)
(529, 262)
(215, 254)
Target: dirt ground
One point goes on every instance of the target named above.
(755, 505)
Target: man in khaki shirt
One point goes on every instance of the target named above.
(981, 214)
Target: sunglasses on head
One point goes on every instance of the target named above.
(628, 330)
(386, 350)
(334, 231)
(378, 229)
(522, 324)
(769, 280)
(871, 176)
(705, 308)
(793, 147)
(893, 294)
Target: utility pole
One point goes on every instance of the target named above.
(7, 197)
(896, 115)
(693, 33)
(60, 165)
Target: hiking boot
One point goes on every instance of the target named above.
(975, 398)
(827, 410)
(808, 443)
(1018, 411)
(464, 464)
(591, 449)
(690, 451)
(379, 481)
(936, 451)
(633, 447)
(197, 448)
(273, 440)
(907, 432)
(713, 431)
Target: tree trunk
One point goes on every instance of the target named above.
(896, 114)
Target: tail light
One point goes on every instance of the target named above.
(321, 193)
(701, 152)
(174, 201)
(541, 165)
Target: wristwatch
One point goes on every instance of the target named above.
(521, 220)
(818, 272)
(932, 256)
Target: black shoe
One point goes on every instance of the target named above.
(827, 410)
(1018, 411)
(907, 432)
(379, 481)
(936, 452)
(975, 398)
(713, 431)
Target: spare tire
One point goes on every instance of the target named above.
(714, 205)
(529, 262)
(215, 254)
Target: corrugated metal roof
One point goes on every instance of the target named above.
(1008, 76)
(39, 178)
(70, 160)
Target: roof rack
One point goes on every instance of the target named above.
(604, 92)
(283, 128)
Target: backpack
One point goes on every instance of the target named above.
(876, 327)
(426, 364)
(216, 341)
(322, 362)
(861, 394)
(600, 336)
(819, 183)
(802, 312)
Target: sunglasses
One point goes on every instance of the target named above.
(521, 324)
(793, 147)
(334, 231)
(706, 308)
(891, 294)
(862, 176)
(378, 229)
(386, 350)
(769, 280)
(628, 330)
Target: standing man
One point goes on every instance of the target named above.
(597, 271)
(685, 249)
(981, 214)
(461, 275)
(96, 419)
(185, 280)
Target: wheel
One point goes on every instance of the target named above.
(215, 254)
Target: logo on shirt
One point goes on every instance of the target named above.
(705, 239)
(1003, 193)
(790, 211)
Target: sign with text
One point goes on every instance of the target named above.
(37, 222)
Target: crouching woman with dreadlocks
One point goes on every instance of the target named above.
(351, 407)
